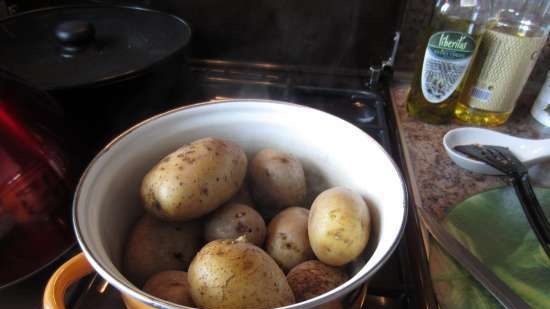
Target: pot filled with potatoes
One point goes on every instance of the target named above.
(236, 204)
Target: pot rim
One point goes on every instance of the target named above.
(123, 76)
(155, 302)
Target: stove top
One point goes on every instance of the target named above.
(404, 281)
(365, 109)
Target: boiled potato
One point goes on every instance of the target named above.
(277, 181)
(287, 240)
(243, 196)
(313, 278)
(194, 180)
(233, 220)
(170, 285)
(155, 245)
(338, 226)
(235, 274)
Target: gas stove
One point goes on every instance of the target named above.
(404, 280)
(325, 55)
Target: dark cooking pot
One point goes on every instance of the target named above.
(37, 178)
(108, 66)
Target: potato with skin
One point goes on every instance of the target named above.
(229, 274)
(313, 278)
(155, 246)
(287, 240)
(233, 220)
(243, 196)
(338, 226)
(170, 285)
(194, 180)
(277, 181)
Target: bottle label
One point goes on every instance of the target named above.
(503, 65)
(447, 57)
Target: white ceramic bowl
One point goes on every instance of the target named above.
(528, 151)
(333, 152)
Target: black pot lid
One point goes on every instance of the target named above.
(65, 47)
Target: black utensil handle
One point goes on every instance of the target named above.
(533, 211)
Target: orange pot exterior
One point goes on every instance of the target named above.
(73, 270)
(78, 267)
(70, 272)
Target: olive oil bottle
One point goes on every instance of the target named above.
(508, 53)
(449, 46)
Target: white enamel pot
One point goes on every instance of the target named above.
(333, 152)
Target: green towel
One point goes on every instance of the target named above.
(493, 227)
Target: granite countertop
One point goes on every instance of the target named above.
(437, 183)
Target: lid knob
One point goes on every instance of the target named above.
(74, 35)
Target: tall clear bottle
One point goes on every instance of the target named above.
(449, 45)
(514, 37)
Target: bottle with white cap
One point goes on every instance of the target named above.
(541, 109)
(513, 39)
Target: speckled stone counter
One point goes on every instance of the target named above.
(437, 183)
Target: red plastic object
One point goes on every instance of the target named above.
(35, 184)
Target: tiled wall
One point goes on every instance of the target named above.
(417, 16)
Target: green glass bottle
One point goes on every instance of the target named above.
(449, 45)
